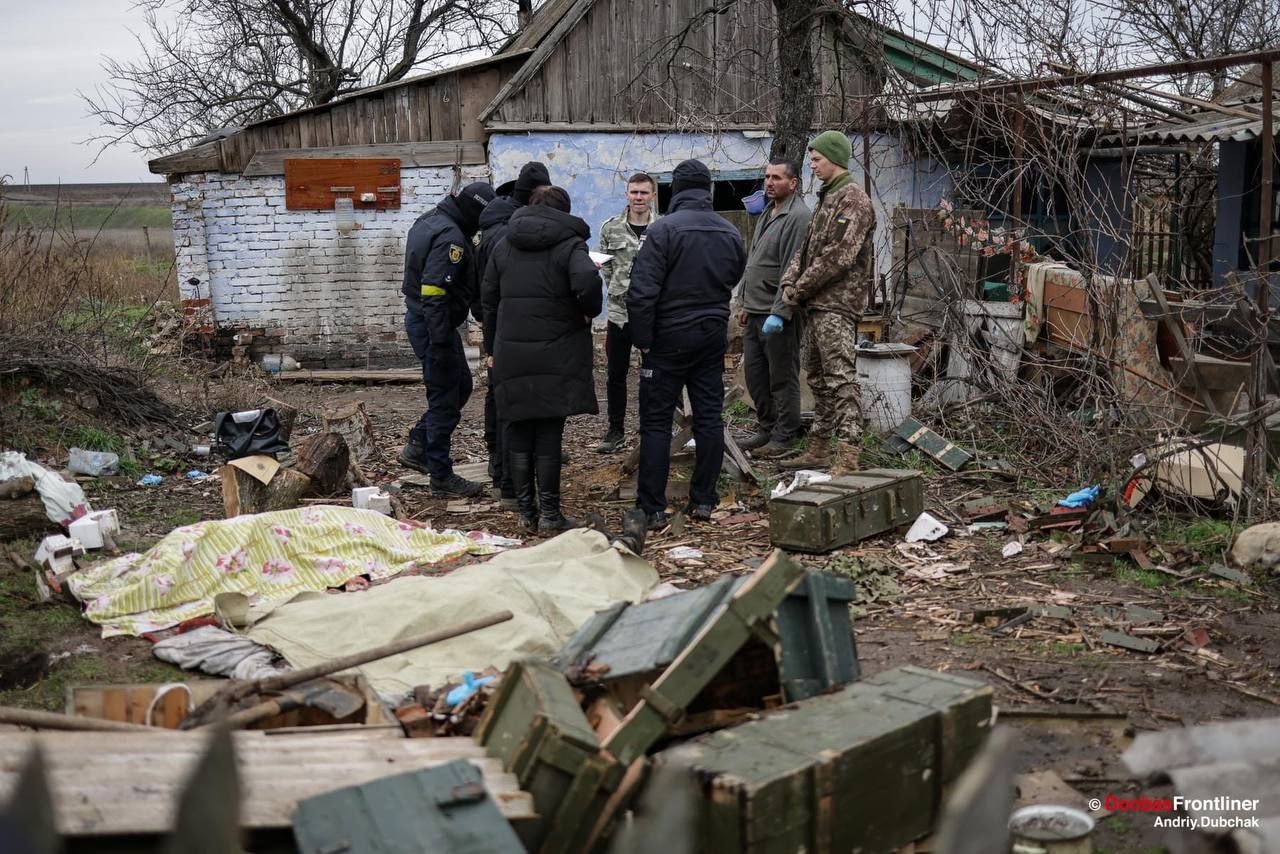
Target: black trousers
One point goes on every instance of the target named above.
(688, 359)
(538, 436)
(495, 439)
(772, 366)
(448, 380)
(617, 354)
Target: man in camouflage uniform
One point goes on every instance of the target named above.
(828, 278)
(621, 237)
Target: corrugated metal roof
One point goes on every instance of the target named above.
(1209, 127)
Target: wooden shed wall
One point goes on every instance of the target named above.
(440, 108)
(616, 67)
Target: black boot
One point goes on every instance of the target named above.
(521, 468)
(634, 527)
(414, 455)
(550, 519)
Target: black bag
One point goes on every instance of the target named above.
(243, 434)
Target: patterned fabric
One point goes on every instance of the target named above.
(834, 266)
(265, 556)
(617, 239)
(830, 358)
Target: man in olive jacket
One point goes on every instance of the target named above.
(771, 330)
(828, 278)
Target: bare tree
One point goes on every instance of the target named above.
(209, 64)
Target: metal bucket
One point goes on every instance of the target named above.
(1049, 829)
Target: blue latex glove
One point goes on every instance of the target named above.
(470, 685)
(1081, 498)
(772, 324)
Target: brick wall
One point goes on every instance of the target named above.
(288, 282)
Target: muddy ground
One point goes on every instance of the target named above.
(1076, 701)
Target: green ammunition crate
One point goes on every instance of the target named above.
(535, 726)
(858, 770)
(846, 509)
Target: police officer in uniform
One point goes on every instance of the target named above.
(438, 289)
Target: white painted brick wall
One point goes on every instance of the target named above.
(329, 297)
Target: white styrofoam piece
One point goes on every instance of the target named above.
(380, 503)
(86, 530)
(926, 528)
(108, 521)
(361, 494)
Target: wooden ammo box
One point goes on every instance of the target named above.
(859, 770)
(445, 808)
(627, 646)
(825, 516)
(535, 726)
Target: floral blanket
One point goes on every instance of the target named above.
(268, 556)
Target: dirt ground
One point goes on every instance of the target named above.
(1076, 701)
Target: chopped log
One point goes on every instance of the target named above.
(16, 487)
(287, 414)
(326, 459)
(243, 493)
(351, 420)
(23, 517)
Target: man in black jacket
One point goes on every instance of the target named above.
(493, 228)
(438, 288)
(678, 311)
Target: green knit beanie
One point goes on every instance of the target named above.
(834, 146)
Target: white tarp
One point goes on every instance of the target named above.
(551, 588)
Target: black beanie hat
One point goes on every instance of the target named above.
(690, 175)
(532, 176)
(472, 200)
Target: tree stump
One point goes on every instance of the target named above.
(326, 460)
(351, 420)
(23, 516)
(243, 493)
(287, 414)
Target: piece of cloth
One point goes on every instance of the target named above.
(771, 364)
(63, 502)
(437, 269)
(538, 436)
(551, 588)
(779, 232)
(691, 358)
(617, 239)
(219, 652)
(271, 556)
(833, 269)
(1033, 304)
(532, 176)
(540, 291)
(830, 359)
(834, 146)
(686, 270)
(447, 378)
(690, 175)
(617, 355)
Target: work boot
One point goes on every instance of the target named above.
(771, 451)
(758, 439)
(550, 519)
(521, 466)
(634, 523)
(700, 512)
(611, 442)
(655, 521)
(817, 457)
(414, 456)
(455, 486)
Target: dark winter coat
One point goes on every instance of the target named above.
(493, 228)
(438, 281)
(688, 265)
(540, 291)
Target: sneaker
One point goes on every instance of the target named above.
(771, 451)
(455, 486)
(656, 521)
(758, 439)
(610, 443)
(701, 512)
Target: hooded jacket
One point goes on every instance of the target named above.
(493, 227)
(687, 267)
(438, 281)
(539, 292)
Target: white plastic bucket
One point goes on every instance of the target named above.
(884, 375)
(1000, 325)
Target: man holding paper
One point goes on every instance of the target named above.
(620, 237)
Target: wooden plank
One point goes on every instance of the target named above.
(579, 54)
(309, 182)
(323, 129)
(1174, 325)
(446, 117)
(474, 92)
(555, 75)
(421, 113)
(200, 158)
(114, 705)
(392, 375)
(540, 55)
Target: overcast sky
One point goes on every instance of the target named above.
(49, 49)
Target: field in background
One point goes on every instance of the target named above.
(132, 218)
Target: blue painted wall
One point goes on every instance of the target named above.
(1233, 160)
(594, 168)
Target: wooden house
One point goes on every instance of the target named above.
(305, 258)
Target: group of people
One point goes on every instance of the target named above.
(517, 259)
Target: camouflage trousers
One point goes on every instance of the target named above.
(830, 355)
